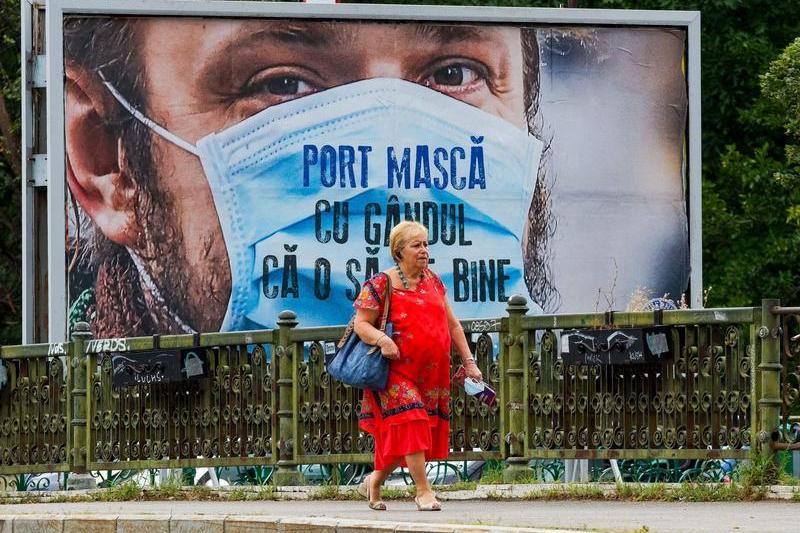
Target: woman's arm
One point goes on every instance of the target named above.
(364, 326)
(461, 344)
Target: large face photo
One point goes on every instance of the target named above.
(222, 170)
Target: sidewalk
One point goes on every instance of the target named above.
(464, 511)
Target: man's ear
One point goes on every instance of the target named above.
(95, 156)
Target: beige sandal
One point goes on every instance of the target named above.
(432, 506)
(363, 490)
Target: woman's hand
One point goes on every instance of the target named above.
(388, 348)
(472, 370)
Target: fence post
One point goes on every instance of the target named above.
(515, 438)
(79, 478)
(287, 473)
(770, 370)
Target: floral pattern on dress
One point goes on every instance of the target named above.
(419, 381)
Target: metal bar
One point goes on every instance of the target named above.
(380, 12)
(182, 463)
(693, 76)
(332, 333)
(206, 340)
(56, 199)
(742, 315)
(778, 310)
(38, 468)
(32, 350)
(639, 454)
(26, 136)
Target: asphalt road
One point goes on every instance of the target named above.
(617, 517)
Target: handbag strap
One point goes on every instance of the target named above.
(387, 302)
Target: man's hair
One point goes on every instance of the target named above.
(110, 45)
(541, 224)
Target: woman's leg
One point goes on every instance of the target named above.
(416, 467)
(377, 477)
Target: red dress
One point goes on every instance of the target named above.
(412, 414)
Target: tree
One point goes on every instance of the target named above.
(755, 202)
(10, 175)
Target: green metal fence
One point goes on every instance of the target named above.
(731, 384)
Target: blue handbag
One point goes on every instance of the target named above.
(357, 363)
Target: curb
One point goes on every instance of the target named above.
(193, 523)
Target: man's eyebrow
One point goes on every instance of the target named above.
(316, 34)
(447, 34)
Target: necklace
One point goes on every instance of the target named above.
(403, 279)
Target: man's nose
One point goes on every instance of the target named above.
(383, 68)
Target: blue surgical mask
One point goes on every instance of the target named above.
(307, 191)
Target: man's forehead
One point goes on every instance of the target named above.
(317, 33)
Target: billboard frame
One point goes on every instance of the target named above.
(56, 10)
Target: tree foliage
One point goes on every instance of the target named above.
(751, 140)
(10, 161)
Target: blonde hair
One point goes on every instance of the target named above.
(402, 233)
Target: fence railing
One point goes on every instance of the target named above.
(728, 385)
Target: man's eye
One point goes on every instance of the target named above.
(454, 75)
(269, 84)
(286, 86)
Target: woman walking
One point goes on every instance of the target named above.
(410, 419)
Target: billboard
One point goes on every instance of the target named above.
(220, 169)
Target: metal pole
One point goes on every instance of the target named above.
(517, 461)
(287, 473)
(80, 479)
(770, 369)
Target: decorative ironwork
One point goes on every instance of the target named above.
(790, 380)
(474, 426)
(223, 418)
(34, 410)
(732, 381)
(699, 401)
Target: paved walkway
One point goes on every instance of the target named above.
(462, 515)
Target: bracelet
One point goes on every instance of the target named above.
(469, 360)
(377, 342)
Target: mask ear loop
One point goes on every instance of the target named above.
(153, 289)
(138, 115)
(144, 276)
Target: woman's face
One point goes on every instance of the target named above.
(414, 253)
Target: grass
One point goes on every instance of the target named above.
(492, 473)
(169, 489)
(759, 470)
(568, 492)
(751, 480)
(460, 485)
(122, 493)
(658, 492)
(645, 492)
